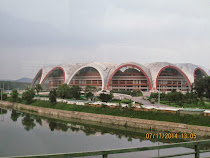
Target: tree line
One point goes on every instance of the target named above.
(64, 91)
(10, 85)
(200, 91)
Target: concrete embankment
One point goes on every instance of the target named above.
(113, 120)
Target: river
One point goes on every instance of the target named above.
(27, 134)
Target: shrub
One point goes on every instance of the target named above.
(130, 105)
(52, 96)
(76, 91)
(103, 105)
(105, 97)
(136, 93)
(129, 92)
(126, 101)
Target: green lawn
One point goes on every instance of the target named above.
(185, 105)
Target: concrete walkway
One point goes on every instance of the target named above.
(141, 100)
(148, 103)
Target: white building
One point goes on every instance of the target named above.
(126, 76)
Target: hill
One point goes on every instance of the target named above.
(24, 80)
(10, 85)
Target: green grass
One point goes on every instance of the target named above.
(169, 103)
(126, 101)
(185, 105)
(159, 116)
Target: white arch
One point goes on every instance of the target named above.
(35, 78)
(86, 66)
(189, 70)
(144, 70)
(155, 69)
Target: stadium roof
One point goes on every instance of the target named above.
(107, 70)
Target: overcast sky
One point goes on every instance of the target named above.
(37, 33)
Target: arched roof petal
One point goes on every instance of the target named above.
(36, 77)
(102, 68)
(156, 67)
(47, 70)
(189, 69)
(145, 71)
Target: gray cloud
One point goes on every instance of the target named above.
(39, 33)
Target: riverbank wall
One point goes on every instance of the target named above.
(152, 125)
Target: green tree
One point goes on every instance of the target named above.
(89, 90)
(105, 97)
(89, 95)
(28, 95)
(52, 96)
(207, 87)
(64, 91)
(14, 95)
(154, 95)
(76, 91)
(4, 96)
(199, 87)
(15, 85)
(38, 88)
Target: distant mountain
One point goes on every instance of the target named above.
(24, 79)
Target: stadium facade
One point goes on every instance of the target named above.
(161, 76)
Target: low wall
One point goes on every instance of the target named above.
(113, 120)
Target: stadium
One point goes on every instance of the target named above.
(158, 76)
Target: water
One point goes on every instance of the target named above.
(27, 134)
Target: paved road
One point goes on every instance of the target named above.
(141, 100)
(146, 102)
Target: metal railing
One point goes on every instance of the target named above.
(104, 153)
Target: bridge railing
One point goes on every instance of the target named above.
(104, 153)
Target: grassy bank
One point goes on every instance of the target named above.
(173, 104)
(159, 116)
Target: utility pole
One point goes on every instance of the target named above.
(1, 93)
(159, 97)
(1, 100)
(2, 90)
